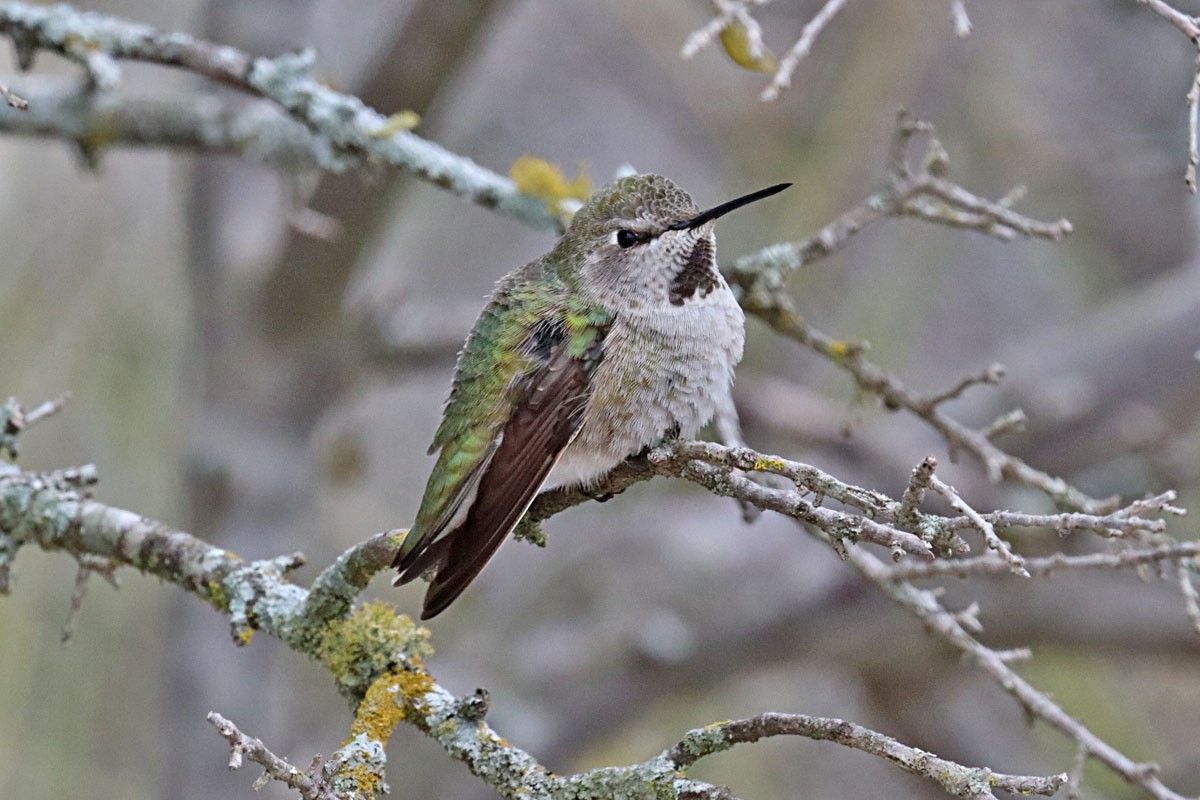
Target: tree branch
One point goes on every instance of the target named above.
(352, 129)
(955, 779)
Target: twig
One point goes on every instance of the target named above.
(1013, 421)
(14, 420)
(1190, 27)
(994, 565)
(906, 192)
(992, 375)
(955, 779)
(275, 767)
(925, 605)
(793, 57)
(962, 22)
(914, 493)
(994, 542)
(88, 564)
(1191, 598)
(13, 99)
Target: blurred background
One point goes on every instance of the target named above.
(271, 391)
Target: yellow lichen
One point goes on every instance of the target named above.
(839, 348)
(540, 178)
(379, 713)
(768, 464)
(218, 596)
(368, 781)
(736, 41)
(400, 121)
(243, 636)
(368, 643)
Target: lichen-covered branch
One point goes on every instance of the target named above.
(355, 131)
(376, 656)
(96, 121)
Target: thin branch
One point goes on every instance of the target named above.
(907, 191)
(274, 767)
(955, 779)
(88, 564)
(962, 22)
(989, 565)
(802, 47)
(946, 626)
(1189, 26)
(994, 542)
(13, 99)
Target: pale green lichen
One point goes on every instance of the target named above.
(703, 741)
(371, 641)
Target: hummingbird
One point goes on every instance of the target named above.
(623, 336)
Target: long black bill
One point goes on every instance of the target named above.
(725, 208)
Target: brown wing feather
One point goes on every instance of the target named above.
(533, 439)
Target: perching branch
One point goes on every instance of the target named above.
(376, 656)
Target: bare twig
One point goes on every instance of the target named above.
(992, 375)
(994, 565)
(914, 493)
(14, 419)
(88, 564)
(962, 22)
(955, 779)
(1012, 422)
(793, 57)
(13, 99)
(994, 542)
(946, 626)
(276, 768)
(1191, 597)
(1190, 27)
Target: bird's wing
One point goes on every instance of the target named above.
(517, 402)
(541, 427)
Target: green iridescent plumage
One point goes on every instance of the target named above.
(498, 354)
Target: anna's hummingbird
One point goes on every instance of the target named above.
(623, 335)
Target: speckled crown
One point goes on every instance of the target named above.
(651, 199)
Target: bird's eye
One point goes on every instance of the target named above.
(627, 238)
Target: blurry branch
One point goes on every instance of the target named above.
(376, 656)
(959, 629)
(14, 419)
(259, 131)
(1189, 26)
(733, 22)
(356, 134)
(962, 22)
(956, 780)
(12, 98)
(991, 565)
(907, 191)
